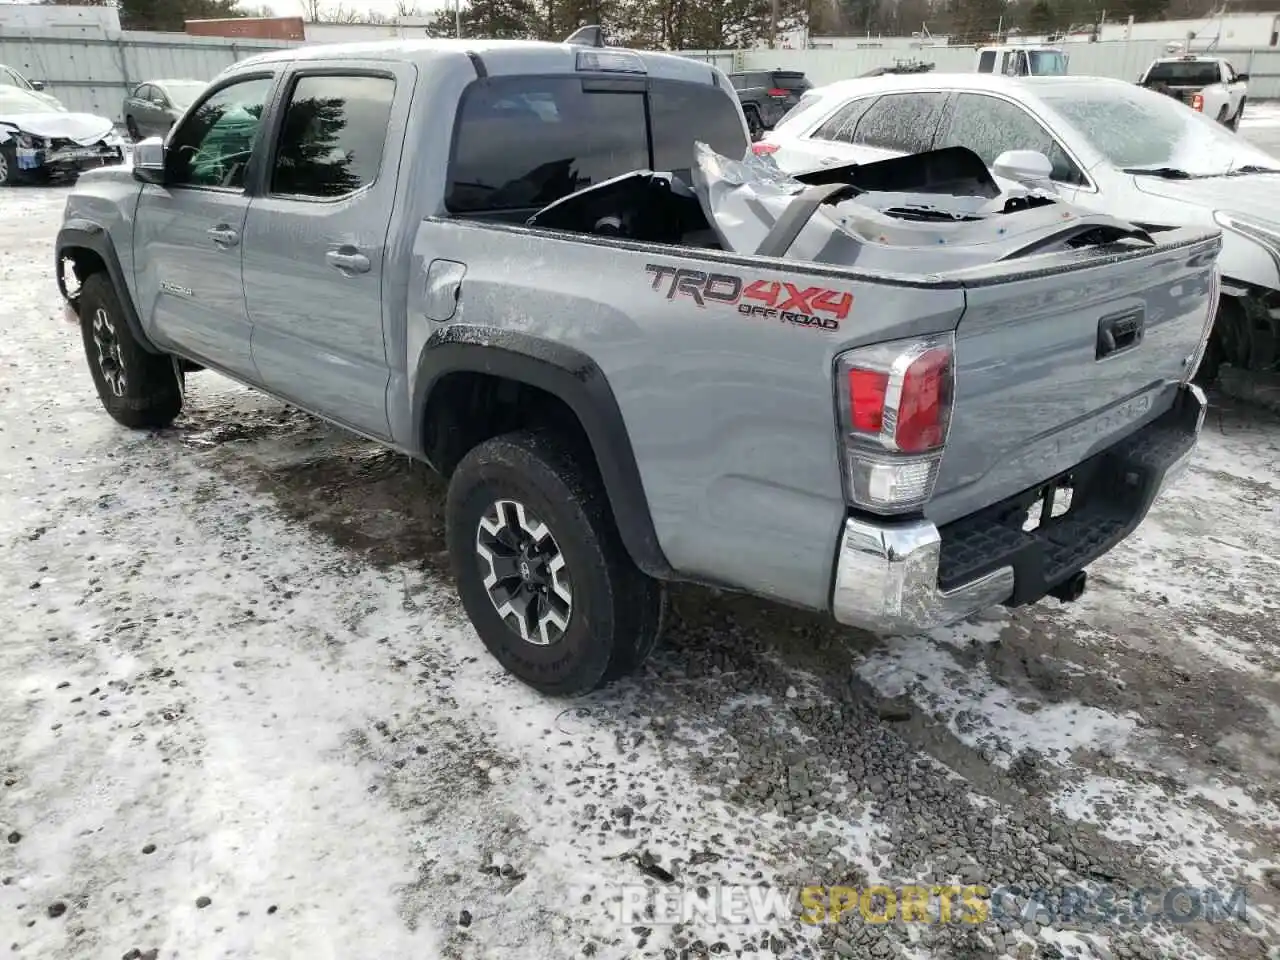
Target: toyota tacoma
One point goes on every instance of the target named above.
(381, 234)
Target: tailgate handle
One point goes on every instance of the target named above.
(1119, 332)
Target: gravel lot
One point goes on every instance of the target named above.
(243, 717)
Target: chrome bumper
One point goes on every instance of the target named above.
(887, 573)
(887, 580)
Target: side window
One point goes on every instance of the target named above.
(332, 139)
(901, 121)
(987, 61)
(212, 148)
(989, 126)
(524, 142)
(157, 96)
(840, 125)
(677, 109)
(141, 92)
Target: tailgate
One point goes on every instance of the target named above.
(1067, 358)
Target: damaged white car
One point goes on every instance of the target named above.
(39, 141)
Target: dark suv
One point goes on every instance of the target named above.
(766, 95)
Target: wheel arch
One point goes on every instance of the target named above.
(460, 366)
(89, 249)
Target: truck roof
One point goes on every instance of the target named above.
(500, 57)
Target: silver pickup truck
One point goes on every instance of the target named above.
(357, 231)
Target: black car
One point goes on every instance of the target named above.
(767, 95)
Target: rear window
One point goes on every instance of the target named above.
(791, 80)
(1188, 72)
(687, 112)
(525, 142)
(806, 102)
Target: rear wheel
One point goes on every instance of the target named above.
(541, 569)
(1223, 114)
(1235, 121)
(138, 389)
(132, 127)
(755, 126)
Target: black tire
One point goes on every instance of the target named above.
(139, 389)
(131, 127)
(755, 126)
(9, 172)
(1235, 121)
(1222, 114)
(615, 612)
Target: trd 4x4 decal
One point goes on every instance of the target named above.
(814, 307)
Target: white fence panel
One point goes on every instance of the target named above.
(92, 75)
(1121, 60)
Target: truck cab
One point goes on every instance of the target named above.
(1022, 61)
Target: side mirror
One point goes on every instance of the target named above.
(1242, 77)
(149, 160)
(1023, 166)
(37, 84)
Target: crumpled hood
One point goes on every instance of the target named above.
(1253, 192)
(82, 128)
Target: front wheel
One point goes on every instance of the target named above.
(9, 173)
(1235, 121)
(541, 569)
(1223, 115)
(138, 388)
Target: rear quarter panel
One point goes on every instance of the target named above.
(731, 417)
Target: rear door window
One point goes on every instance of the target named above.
(842, 123)
(684, 112)
(901, 121)
(331, 141)
(987, 61)
(525, 142)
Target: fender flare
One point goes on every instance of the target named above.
(576, 380)
(82, 234)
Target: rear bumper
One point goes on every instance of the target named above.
(905, 577)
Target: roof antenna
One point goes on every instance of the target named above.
(592, 36)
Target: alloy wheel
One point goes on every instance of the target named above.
(524, 573)
(110, 359)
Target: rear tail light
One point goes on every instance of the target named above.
(779, 92)
(895, 404)
(1215, 292)
(762, 149)
(1197, 102)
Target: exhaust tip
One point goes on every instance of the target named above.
(1071, 588)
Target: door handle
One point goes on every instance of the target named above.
(223, 235)
(1119, 333)
(348, 260)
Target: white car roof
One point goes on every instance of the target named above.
(976, 82)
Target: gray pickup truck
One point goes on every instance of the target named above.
(356, 231)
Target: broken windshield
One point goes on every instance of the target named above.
(1136, 128)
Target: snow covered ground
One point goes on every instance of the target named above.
(241, 715)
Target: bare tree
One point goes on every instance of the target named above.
(313, 10)
(407, 8)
